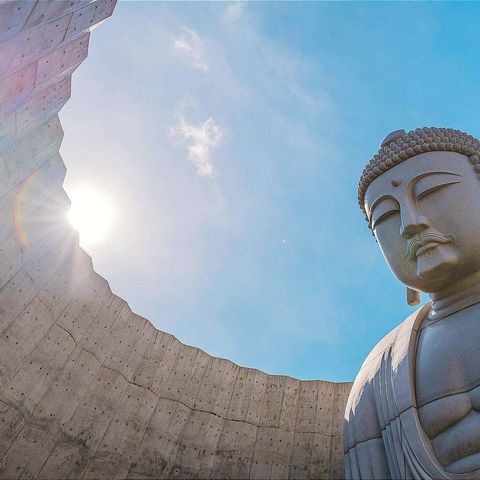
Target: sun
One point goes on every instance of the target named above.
(91, 213)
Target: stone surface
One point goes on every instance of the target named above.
(413, 411)
(89, 389)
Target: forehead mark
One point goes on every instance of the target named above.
(396, 182)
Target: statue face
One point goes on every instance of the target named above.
(425, 214)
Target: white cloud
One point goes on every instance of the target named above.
(233, 11)
(201, 140)
(193, 47)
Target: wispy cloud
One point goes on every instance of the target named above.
(201, 140)
(233, 11)
(253, 105)
(190, 44)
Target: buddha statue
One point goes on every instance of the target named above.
(414, 409)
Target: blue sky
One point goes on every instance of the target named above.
(230, 138)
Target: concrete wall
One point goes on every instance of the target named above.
(89, 389)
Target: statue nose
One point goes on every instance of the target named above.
(412, 223)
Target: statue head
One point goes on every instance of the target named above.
(421, 197)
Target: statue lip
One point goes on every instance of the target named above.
(420, 243)
(426, 247)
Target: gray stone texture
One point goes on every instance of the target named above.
(414, 408)
(89, 389)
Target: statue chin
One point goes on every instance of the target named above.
(436, 262)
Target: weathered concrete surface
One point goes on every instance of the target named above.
(89, 389)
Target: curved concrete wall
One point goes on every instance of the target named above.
(89, 389)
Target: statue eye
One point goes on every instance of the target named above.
(432, 182)
(383, 217)
(435, 188)
(382, 210)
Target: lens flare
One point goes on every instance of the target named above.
(24, 195)
(91, 213)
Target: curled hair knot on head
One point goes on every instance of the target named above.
(400, 145)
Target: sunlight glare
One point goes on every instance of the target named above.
(91, 214)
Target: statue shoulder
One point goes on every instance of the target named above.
(387, 342)
(361, 416)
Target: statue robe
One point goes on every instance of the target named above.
(383, 437)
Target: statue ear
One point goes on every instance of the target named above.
(413, 297)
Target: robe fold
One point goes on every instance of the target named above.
(383, 438)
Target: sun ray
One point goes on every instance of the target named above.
(91, 213)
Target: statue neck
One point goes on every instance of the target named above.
(461, 294)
